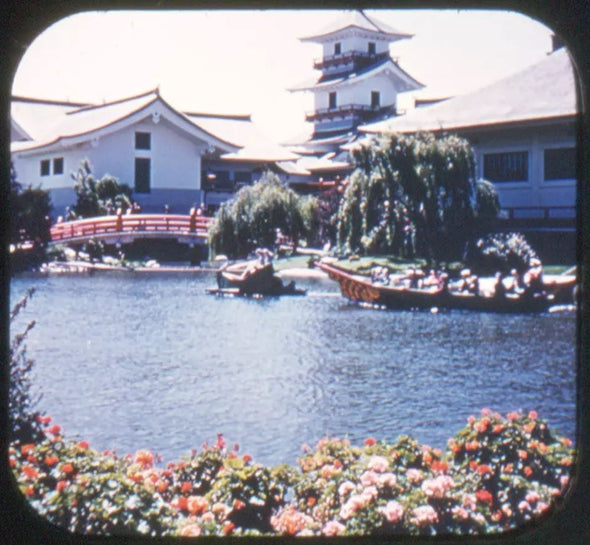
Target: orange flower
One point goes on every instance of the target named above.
(162, 486)
(197, 504)
(529, 428)
(484, 469)
(186, 487)
(51, 460)
(25, 449)
(182, 503)
(68, 469)
(30, 491)
(30, 472)
(566, 442)
(311, 501)
(337, 464)
(527, 471)
(440, 466)
(239, 505)
(61, 485)
(472, 445)
(523, 454)
(566, 462)
(144, 457)
(498, 428)
(473, 465)
(54, 430)
(508, 468)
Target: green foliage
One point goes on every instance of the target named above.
(23, 416)
(98, 197)
(251, 218)
(29, 211)
(496, 474)
(500, 252)
(412, 196)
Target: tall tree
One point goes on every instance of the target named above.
(253, 216)
(98, 197)
(412, 194)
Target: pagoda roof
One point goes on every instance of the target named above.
(408, 83)
(543, 91)
(357, 19)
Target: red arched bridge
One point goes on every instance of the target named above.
(123, 229)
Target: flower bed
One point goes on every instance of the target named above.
(495, 474)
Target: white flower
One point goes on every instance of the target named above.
(345, 488)
(333, 528)
(424, 515)
(415, 476)
(387, 479)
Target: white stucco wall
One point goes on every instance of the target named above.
(359, 93)
(354, 43)
(536, 191)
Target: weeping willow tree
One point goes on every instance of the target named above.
(413, 196)
(252, 217)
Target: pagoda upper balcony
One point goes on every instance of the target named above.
(361, 112)
(358, 59)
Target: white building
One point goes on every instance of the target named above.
(358, 81)
(166, 156)
(523, 130)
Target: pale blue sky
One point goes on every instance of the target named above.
(243, 62)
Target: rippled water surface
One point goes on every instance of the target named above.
(154, 362)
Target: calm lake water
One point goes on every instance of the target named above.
(130, 362)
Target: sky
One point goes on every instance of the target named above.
(243, 62)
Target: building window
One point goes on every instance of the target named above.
(142, 175)
(332, 103)
(337, 48)
(58, 165)
(45, 166)
(143, 140)
(372, 48)
(375, 99)
(512, 166)
(560, 164)
(242, 177)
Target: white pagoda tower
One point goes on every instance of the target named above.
(358, 81)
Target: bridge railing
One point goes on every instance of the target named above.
(133, 223)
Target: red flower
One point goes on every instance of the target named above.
(83, 445)
(484, 469)
(54, 430)
(182, 503)
(439, 466)
(527, 471)
(337, 464)
(484, 496)
(162, 486)
(512, 416)
(31, 459)
(239, 505)
(311, 501)
(247, 458)
(228, 528)
(30, 472)
(186, 487)
(498, 428)
(44, 419)
(61, 485)
(25, 449)
(30, 491)
(51, 460)
(370, 441)
(68, 469)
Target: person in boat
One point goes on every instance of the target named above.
(380, 275)
(499, 287)
(515, 283)
(433, 280)
(533, 279)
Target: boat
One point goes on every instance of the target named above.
(252, 278)
(359, 288)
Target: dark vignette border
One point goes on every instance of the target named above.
(569, 522)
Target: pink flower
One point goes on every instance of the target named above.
(533, 415)
(541, 508)
(532, 497)
(415, 476)
(437, 487)
(424, 515)
(191, 530)
(392, 511)
(512, 416)
(378, 464)
(524, 506)
(345, 488)
(387, 479)
(460, 513)
(333, 528)
(369, 478)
